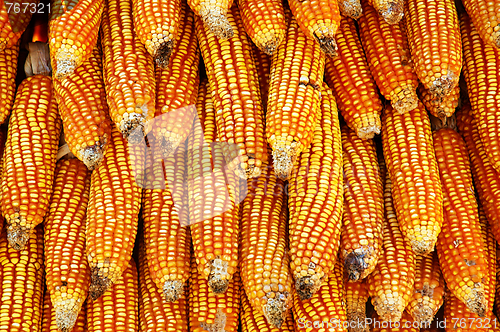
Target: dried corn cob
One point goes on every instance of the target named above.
(294, 96)
(361, 240)
(486, 179)
(406, 324)
(412, 167)
(356, 296)
(209, 311)
(390, 286)
(316, 201)
(14, 19)
(433, 34)
(29, 158)
(239, 116)
(462, 320)
(117, 309)
(112, 216)
(177, 87)
(351, 8)
(441, 108)
(490, 249)
(214, 16)
(388, 56)
(485, 17)
(128, 70)
(252, 320)
(73, 32)
(263, 66)
(319, 20)
(155, 314)
(459, 246)
(264, 22)
(355, 91)
(428, 291)
(49, 317)
(65, 242)
(390, 10)
(8, 69)
(156, 24)
(84, 111)
(482, 64)
(264, 265)
(326, 306)
(21, 284)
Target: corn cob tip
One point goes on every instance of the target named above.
(405, 101)
(357, 321)
(387, 310)
(18, 235)
(392, 11)
(328, 45)
(93, 155)
(65, 67)
(218, 279)
(172, 290)
(423, 314)
(217, 22)
(357, 263)
(476, 303)
(132, 126)
(307, 285)
(271, 45)
(219, 323)
(66, 318)
(283, 160)
(98, 284)
(351, 8)
(443, 85)
(163, 52)
(275, 309)
(368, 132)
(423, 247)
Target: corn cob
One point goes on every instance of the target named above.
(428, 290)
(351, 8)
(433, 34)
(21, 284)
(112, 216)
(390, 286)
(213, 214)
(485, 17)
(459, 246)
(356, 296)
(29, 158)
(84, 111)
(389, 60)
(8, 69)
(354, 88)
(49, 318)
(214, 16)
(482, 64)
(391, 11)
(264, 265)
(412, 167)
(406, 324)
(318, 20)
(326, 310)
(14, 20)
(128, 71)
(297, 69)
(209, 311)
(156, 314)
(156, 24)
(490, 248)
(65, 242)
(316, 202)
(263, 66)
(361, 240)
(264, 22)
(239, 116)
(73, 32)
(441, 108)
(117, 309)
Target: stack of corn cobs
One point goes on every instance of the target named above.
(251, 166)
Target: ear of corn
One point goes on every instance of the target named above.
(390, 286)
(389, 59)
(264, 22)
(294, 96)
(73, 32)
(156, 24)
(413, 169)
(482, 64)
(29, 158)
(8, 71)
(128, 70)
(441, 108)
(433, 34)
(428, 291)
(12, 23)
(65, 242)
(361, 240)
(406, 324)
(21, 284)
(484, 16)
(84, 111)
(490, 249)
(117, 309)
(391, 11)
(235, 93)
(316, 202)
(351, 8)
(49, 317)
(356, 297)
(214, 16)
(112, 216)
(459, 246)
(349, 76)
(264, 264)
(177, 87)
